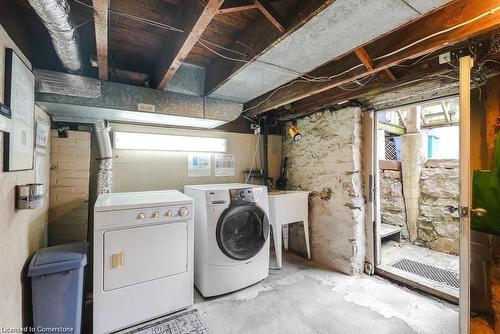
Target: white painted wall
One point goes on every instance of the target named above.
(135, 170)
(21, 232)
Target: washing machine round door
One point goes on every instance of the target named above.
(242, 231)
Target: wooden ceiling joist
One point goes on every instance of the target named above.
(390, 75)
(234, 6)
(194, 19)
(270, 13)
(101, 36)
(259, 37)
(365, 58)
(451, 24)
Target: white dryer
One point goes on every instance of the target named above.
(143, 257)
(231, 236)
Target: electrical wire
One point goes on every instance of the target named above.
(293, 72)
(303, 76)
(253, 159)
(201, 41)
(146, 21)
(223, 47)
(490, 12)
(84, 4)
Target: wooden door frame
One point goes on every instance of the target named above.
(466, 64)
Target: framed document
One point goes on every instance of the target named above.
(20, 98)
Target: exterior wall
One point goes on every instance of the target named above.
(437, 228)
(439, 187)
(69, 187)
(392, 202)
(21, 232)
(137, 170)
(327, 162)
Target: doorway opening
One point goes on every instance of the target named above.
(418, 183)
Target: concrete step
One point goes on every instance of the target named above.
(392, 232)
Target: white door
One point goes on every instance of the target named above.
(141, 254)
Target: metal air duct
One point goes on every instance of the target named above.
(55, 16)
(105, 157)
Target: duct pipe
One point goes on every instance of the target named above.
(55, 17)
(105, 157)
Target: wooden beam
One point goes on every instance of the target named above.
(194, 18)
(259, 37)
(365, 58)
(416, 39)
(390, 75)
(445, 111)
(130, 77)
(101, 36)
(236, 9)
(378, 85)
(401, 118)
(235, 6)
(422, 117)
(392, 128)
(270, 14)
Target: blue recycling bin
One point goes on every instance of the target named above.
(57, 275)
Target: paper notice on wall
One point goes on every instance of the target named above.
(40, 171)
(225, 165)
(42, 136)
(199, 164)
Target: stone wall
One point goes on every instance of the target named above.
(437, 228)
(439, 185)
(327, 162)
(392, 203)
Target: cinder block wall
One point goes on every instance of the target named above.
(327, 162)
(69, 187)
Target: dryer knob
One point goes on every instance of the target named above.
(168, 213)
(141, 215)
(183, 212)
(155, 214)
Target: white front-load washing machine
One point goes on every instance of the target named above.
(231, 236)
(143, 257)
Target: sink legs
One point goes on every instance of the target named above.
(280, 235)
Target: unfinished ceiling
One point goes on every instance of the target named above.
(341, 27)
(284, 57)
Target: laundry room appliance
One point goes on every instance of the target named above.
(143, 257)
(231, 236)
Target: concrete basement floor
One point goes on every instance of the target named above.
(304, 298)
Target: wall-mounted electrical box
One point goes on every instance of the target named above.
(29, 196)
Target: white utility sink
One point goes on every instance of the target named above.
(286, 207)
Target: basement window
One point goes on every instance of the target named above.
(160, 142)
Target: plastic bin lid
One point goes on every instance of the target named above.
(58, 259)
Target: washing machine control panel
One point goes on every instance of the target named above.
(244, 194)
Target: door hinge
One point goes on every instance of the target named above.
(369, 269)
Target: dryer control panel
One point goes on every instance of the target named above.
(142, 216)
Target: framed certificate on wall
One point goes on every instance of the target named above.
(20, 98)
